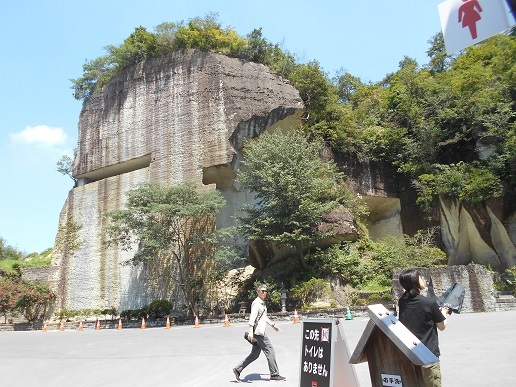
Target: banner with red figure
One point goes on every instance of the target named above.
(466, 22)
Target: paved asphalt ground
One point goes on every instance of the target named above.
(478, 349)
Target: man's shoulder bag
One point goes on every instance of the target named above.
(246, 334)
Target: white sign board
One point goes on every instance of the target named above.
(391, 381)
(466, 22)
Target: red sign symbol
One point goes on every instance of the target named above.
(469, 14)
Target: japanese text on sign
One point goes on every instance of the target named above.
(391, 380)
(314, 351)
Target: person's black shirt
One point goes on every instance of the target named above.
(420, 315)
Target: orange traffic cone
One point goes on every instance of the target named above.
(81, 328)
(168, 323)
(61, 328)
(143, 323)
(119, 324)
(226, 321)
(296, 317)
(196, 325)
(97, 327)
(44, 329)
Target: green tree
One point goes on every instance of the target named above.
(207, 34)
(346, 84)
(9, 252)
(315, 89)
(174, 229)
(293, 188)
(96, 73)
(64, 166)
(34, 300)
(30, 299)
(140, 45)
(439, 60)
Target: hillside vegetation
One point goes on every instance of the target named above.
(425, 120)
(447, 127)
(12, 259)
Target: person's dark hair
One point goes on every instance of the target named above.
(409, 280)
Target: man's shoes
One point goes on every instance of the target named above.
(237, 374)
(278, 378)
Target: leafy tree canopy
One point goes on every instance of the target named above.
(9, 252)
(431, 121)
(294, 188)
(200, 33)
(174, 229)
(419, 118)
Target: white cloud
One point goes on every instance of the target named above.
(41, 136)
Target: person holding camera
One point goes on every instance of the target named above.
(258, 321)
(422, 316)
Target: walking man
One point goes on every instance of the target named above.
(258, 321)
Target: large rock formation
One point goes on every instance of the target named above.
(483, 233)
(184, 117)
(477, 234)
(178, 118)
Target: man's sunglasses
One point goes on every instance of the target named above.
(263, 291)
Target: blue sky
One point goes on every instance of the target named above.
(44, 43)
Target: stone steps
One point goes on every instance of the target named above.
(504, 303)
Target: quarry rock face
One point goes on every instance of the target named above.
(483, 233)
(184, 118)
(178, 118)
(478, 234)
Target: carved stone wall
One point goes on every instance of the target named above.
(38, 274)
(476, 280)
(178, 118)
(484, 233)
(184, 117)
(477, 234)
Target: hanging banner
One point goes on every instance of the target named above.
(466, 22)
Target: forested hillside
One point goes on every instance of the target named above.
(447, 129)
(428, 120)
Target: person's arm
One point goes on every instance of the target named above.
(442, 325)
(273, 324)
(252, 320)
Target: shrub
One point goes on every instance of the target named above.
(361, 302)
(387, 297)
(34, 301)
(506, 281)
(307, 292)
(374, 298)
(29, 299)
(159, 308)
(127, 314)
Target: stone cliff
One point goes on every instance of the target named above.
(178, 118)
(483, 233)
(184, 117)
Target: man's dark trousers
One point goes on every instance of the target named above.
(264, 345)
